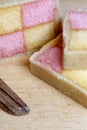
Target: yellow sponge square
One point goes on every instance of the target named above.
(36, 37)
(10, 19)
(78, 40)
(78, 76)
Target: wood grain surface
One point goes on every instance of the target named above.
(49, 109)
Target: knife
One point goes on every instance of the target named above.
(10, 102)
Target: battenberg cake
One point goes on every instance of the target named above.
(26, 26)
(75, 40)
(47, 65)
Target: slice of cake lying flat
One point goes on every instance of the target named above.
(75, 40)
(47, 65)
(26, 25)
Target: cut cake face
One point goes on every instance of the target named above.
(78, 30)
(47, 65)
(75, 40)
(35, 20)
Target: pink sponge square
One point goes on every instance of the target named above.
(11, 44)
(78, 20)
(38, 12)
(52, 57)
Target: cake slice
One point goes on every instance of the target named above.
(35, 19)
(75, 40)
(47, 65)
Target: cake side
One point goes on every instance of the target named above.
(75, 40)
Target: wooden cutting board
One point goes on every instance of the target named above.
(50, 110)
